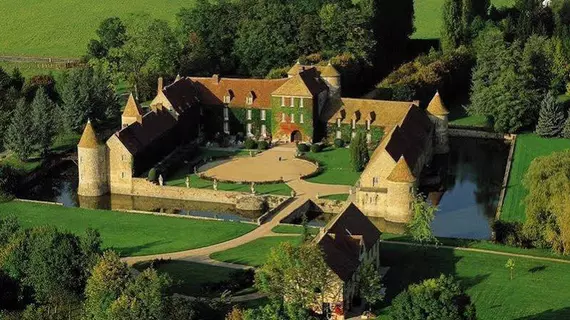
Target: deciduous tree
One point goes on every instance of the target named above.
(423, 214)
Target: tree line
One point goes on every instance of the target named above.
(251, 38)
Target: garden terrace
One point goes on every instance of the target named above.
(335, 167)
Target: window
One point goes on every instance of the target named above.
(227, 99)
(263, 130)
(292, 102)
(282, 101)
(226, 127)
(283, 117)
(374, 181)
(249, 100)
(122, 175)
(226, 114)
(248, 114)
(353, 123)
(353, 134)
(368, 138)
(338, 123)
(249, 128)
(367, 124)
(301, 118)
(262, 114)
(301, 104)
(292, 118)
(124, 158)
(338, 134)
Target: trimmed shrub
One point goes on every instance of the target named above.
(302, 147)
(263, 145)
(339, 143)
(315, 148)
(152, 175)
(250, 144)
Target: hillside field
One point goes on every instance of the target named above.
(62, 28)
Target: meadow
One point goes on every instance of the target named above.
(254, 253)
(129, 234)
(527, 148)
(428, 17)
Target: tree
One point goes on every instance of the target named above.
(551, 118)
(42, 116)
(112, 33)
(145, 297)
(438, 298)
(108, 279)
(358, 152)
(298, 275)
(511, 266)
(370, 284)
(423, 214)
(278, 310)
(8, 226)
(566, 129)
(547, 221)
(87, 94)
(20, 136)
(452, 29)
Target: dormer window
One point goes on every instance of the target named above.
(249, 98)
(228, 97)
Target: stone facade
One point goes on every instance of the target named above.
(92, 161)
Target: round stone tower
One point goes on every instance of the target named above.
(438, 116)
(401, 184)
(92, 162)
(332, 78)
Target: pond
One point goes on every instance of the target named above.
(60, 185)
(467, 197)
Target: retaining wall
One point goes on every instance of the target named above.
(472, 133)
(506, 177)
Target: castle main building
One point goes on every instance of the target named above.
(304, 107)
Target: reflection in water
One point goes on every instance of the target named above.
(469, 191)
(61, 186)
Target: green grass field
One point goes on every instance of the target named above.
(428, 17)
(253, 253)
(62, 28)
(527, 148)
(293, 229)
(338, 197)
(539, 290)
(337, 167)
(189, 277)
(129, 234)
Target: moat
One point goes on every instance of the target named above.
(467, 196)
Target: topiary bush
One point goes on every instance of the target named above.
(339, 143)
(263, 145)
(152, 175)
(250, 144)
(315, 148)
(303, 147)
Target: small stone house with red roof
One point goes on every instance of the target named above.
(347, 242)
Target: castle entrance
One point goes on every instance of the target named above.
(296, 136)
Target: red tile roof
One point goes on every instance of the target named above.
(211, 91)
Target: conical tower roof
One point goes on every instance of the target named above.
(132, 109)
(295, 69)
(402, 172)
(436, 106)
(88, 138)
(329, 71)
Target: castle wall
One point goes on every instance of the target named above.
(93, 177)
(120, 167)
(441, 134)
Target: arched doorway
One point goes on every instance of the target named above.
(296, 136)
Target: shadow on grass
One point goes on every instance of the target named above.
(135, 250)
(537, 269)
(549, 314)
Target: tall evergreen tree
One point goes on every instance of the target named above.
(566, 129)
(551, 118)
(452, 31)
(359, 152)
(42, 114)
(20, 136)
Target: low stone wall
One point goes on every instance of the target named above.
(298, 212)
(329, 206)
(142, 187)
(506, 177)
(472, 133)
(275, 210)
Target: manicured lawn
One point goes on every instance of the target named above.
(189, 277)
(62, 28)
(29, 69)
(539, 290)
(428, 17)
(253, 253)
(527, 148)
(338, 197)
(293, 229)
(129, 234)
(337, 168)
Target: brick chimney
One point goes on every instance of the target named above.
(160, 84)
